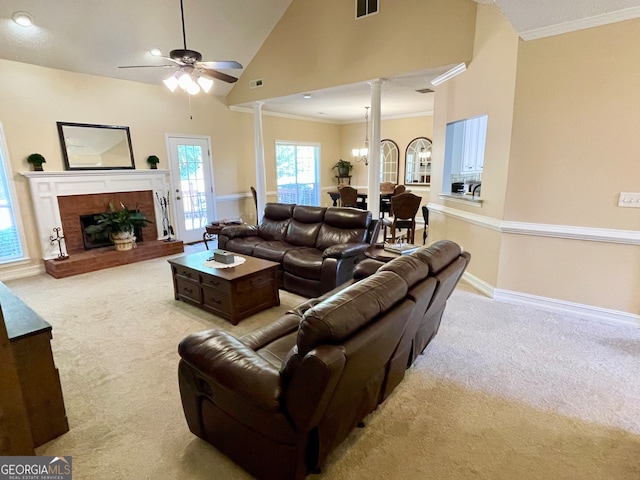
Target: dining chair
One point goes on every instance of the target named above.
(405, 207)
(425, 215)
(398, 189)
(348, 196)
(255, 201)
(387, 187)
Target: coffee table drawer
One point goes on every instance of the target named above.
(257, 281)
(186, 273)
(213, 282)
(188, 290)
(216, 299)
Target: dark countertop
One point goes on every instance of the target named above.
(20, 320)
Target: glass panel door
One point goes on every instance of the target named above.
(297, 173)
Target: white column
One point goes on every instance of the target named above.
(373, 199)
(261, 179)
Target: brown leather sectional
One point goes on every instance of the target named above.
(279, 399)
(317, 247)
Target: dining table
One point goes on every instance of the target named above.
(362, 198)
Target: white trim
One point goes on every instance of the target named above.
(21, 272)
(479, 284)
(581, 24)
(239, 109)
(474, 218)
(46, 187)
(564, 307)
(13, 197)
(607, 235)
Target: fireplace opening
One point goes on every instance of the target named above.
(91, 241)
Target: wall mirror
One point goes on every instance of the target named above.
(95, 147)
(389, 161)
(418, 162)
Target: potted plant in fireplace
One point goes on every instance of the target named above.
(118, 225)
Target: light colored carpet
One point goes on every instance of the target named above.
(503, 392)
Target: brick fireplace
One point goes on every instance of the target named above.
(73, 206)
(59, 198)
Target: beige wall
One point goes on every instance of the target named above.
(487, 87)
(574, 148)
(320, 44)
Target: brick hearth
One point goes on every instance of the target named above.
(107, 257)
(81, 261)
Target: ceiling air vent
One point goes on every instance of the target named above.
(255, 83)
(425, 90)
(366, 7)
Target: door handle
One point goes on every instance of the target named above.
(178, 198)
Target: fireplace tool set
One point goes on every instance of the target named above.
(167, 228)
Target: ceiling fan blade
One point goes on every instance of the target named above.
(209, 72)
(146, 66)
(222, 64)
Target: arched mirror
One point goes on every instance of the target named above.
(389, 161)
(418, 162)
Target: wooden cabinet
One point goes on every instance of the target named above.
(29, 337)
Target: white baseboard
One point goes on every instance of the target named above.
(551, 304)
(21, 272)
(564, 307)
(479, 284)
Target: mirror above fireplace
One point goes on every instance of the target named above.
(95, 147)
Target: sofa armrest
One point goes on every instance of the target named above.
(260, 337)
(345, 250)
(237, 231)
(234, 366)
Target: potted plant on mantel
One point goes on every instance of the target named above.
(344, 167)
(118, 225)
(36, 160)
(153, 160)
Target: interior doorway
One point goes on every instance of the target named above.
(193, 186)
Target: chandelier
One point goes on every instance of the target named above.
(360, 154)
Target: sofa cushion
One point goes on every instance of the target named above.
(343, 225)
(305, 225)
(243, 245)
(338, 317)
(439, 255)
(273, 250)
(275, 221)
(303, 262)
(412, 269)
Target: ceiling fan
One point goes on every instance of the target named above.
(192, 73)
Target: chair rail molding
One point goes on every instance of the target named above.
(606, 235)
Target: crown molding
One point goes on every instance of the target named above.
(581, 24)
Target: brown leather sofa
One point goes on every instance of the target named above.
(279, 399)
(317, 247)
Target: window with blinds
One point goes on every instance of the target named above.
(10, 245)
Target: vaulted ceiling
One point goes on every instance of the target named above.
(97, 37)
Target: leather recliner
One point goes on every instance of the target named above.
(317, 247)
(279, 399)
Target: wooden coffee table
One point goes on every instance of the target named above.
(231, 293)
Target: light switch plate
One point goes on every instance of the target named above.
(628, 199)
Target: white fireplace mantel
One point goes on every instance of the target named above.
(46, 187)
